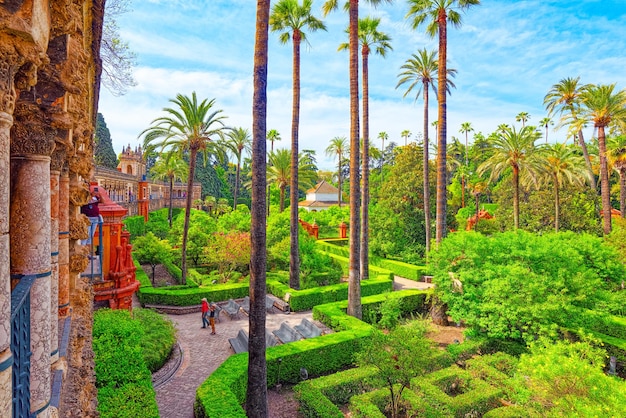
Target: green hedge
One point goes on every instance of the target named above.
(612, 325)
(475, 396)
(223, 393)
(122, 378)
(189, 296)
(344, 262)
(136, 225)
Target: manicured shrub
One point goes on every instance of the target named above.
(136, 225)
(158, 339)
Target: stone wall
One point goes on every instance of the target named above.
(49, 85)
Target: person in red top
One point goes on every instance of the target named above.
(205, 312)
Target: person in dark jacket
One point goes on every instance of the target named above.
(92, 212)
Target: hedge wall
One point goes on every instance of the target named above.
(224, 391)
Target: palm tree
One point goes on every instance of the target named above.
(369, 38)
(503, 127)
(189, 127)
(420, 71)
(210, 202)
(405, 134)
(273, 135)
(290, 18)
(522, 117)
(514, 149)
(237, 142)
(466, 128)
(616, 154)
(354, 280)
(439, 13)
(601, 105)
(338, 146)
(565, 98)
(477, 186)
(562, 164)
(279, 172)
(382, 136)
(256, 392)
(545, 122)
(170, 167)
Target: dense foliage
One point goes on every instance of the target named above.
(518, 285)
(103, 153)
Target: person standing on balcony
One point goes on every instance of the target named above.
(92, 212)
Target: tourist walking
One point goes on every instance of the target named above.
(212, 317)
(205, 312)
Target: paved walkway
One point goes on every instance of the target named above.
(201, 352)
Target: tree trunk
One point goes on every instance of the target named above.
(622, 191)
(605, 190)
(237, 174)
(354, 279)
(282, 198)
(193, 153)
(556, 204)
(339, 180)
(256, 392)
(365, 170)
(477, 202)
(438, 312)
(442, 181)
(171, 191)
(515, 197)
(294, 255)
(426, 171)
(583, 147)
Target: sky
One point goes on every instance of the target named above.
(507, 53)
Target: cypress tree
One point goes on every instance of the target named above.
(104, 154)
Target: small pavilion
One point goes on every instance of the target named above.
(320, 197)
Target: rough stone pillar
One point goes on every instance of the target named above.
(32, 143)
(64, 244)
(6, 357)
(54, 256)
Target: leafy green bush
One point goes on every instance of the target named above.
(158, 339)
(136, 225)
(120, 366)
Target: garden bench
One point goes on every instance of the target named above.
(232, 308)
(269, 303)
(286, 334)
(245, 304)
(270, 340)
(308, 329)
(239, 344)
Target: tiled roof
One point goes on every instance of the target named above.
(323, 187)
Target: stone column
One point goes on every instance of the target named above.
(32, 143)
(64, 244)
(55, 174)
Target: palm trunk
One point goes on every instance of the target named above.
(426, 172)
(294, 255)
(365, 171)
(354, 279)
(477, 203)
(463, 190)
(382, 162)
(171, 191)
(256, 389)
(282, 198)
(622, 191)
(193, 154)
(442, 182)
(339, 180)
(557, 204)
(237, 175)
(605, 190)
(516, 197)
(583, 147)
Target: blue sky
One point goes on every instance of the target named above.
(507, 53)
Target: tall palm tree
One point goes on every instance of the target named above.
(291, 19)
(616, 154)
(439, 13)
(273, 135)
(420, 72)
(256, 392)
(565, 98)
(338, 146)
(382, 136)
(405, 134)
(466, 128)
(354, 279)
(522, 117)
(512, 149)
(369, 38)
(279, 172)
(237, 142)
(562, 164)
(545, 122)
(503, 127)
(601, 105)
(171, 168)
(189, 127)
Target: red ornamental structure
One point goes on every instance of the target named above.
(118, 282)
